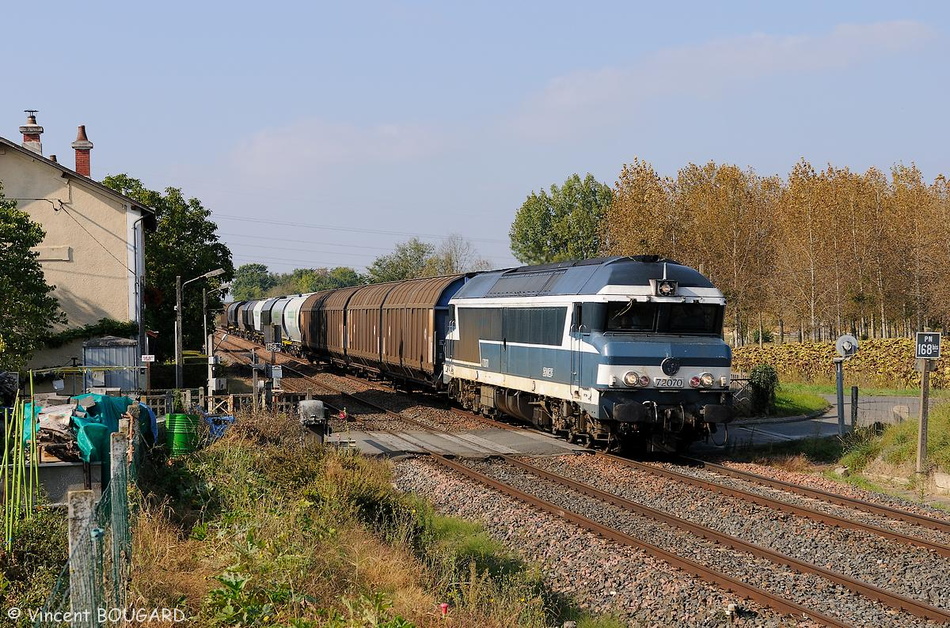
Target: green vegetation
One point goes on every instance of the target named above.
(266, 528)
(28, 307)
(105, 327)
(798, 400)
(887, 363)
(38, 552)
(185, 244)
(896, 445)
(563, 225)
(764, 381)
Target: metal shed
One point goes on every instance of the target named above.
(113, 362)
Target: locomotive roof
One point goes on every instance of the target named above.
(582, 277)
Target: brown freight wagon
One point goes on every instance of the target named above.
(363, 330)
(331, 323)
(414, 320)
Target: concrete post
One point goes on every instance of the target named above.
(83, 558)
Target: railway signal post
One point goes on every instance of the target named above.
(927, 348)
(847, 346)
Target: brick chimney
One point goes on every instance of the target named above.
(31, 132)
(82, 146)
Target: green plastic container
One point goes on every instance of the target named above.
(182, 433)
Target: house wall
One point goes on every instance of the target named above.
(92, 247)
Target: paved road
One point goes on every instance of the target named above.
(885, 410)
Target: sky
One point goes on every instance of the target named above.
(323, 134)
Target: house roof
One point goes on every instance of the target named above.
(149, 213)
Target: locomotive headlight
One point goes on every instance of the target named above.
(631, 378)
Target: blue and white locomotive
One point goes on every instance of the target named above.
(618, 352)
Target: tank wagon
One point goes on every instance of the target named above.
(620, 352)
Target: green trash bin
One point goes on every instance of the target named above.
(182, 433)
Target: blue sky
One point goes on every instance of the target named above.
(323, 134)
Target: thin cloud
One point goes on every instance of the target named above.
(582, 100)
(312, 145)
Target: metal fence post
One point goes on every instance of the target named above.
(83, 559)
(854, 407)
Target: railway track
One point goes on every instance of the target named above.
(841, 500)
(727, 582)
(896, 601)
(794, 509)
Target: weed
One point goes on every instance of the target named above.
(38, 552)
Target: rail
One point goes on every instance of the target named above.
(814, 493)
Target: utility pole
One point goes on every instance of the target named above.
(178, 351)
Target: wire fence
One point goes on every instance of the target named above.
(92, 589)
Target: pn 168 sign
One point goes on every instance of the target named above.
(928, 345)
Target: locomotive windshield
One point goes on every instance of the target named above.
(664, 318)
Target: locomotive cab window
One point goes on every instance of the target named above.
(694, 318)
(665, 318)
(631, 316)
(588, 317)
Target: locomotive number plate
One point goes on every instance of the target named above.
(668, 382)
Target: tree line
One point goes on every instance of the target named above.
(811, 256)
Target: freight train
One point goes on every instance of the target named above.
(619, 352)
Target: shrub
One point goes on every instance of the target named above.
(767, 336)
(764, 381)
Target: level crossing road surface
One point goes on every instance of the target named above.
(467, 444)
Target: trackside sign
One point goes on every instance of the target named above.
(927, 345)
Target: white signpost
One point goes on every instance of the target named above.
(927, 348)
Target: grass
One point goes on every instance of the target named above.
(819, 389)
(266, 528)
(896, 445)
(797, 400)
(31, 567)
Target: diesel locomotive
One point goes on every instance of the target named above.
(620, 352)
